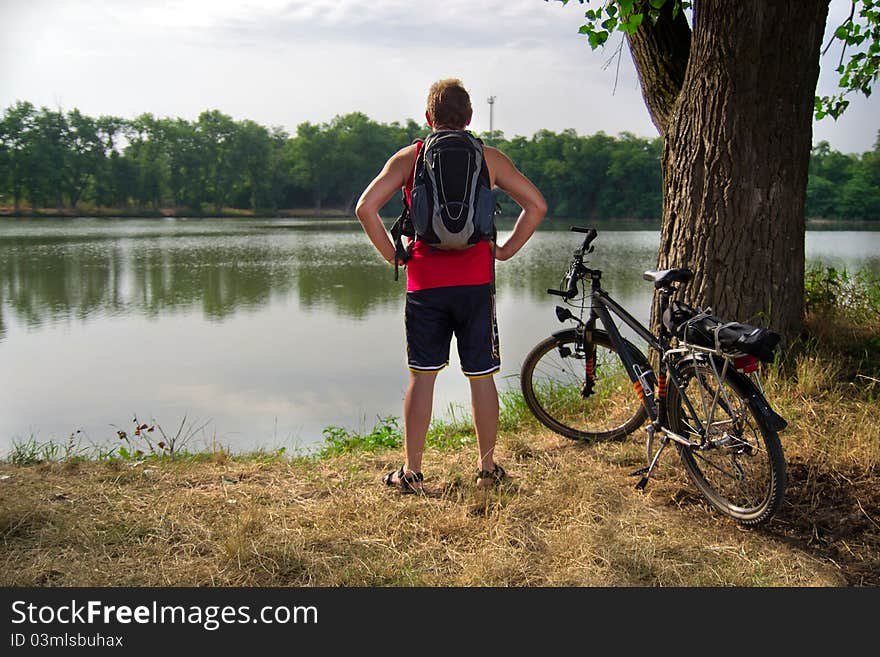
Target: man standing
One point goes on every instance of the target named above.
(450, 292)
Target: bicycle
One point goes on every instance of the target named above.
(593, 384)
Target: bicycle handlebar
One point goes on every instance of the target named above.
(576, 270)
(591, 235)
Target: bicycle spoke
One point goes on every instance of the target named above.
(710, 463)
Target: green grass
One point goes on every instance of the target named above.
(385, 434)
(836, 293)
(451, 431)
(31, 451)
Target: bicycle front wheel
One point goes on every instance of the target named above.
(553, 381)
(741, 469)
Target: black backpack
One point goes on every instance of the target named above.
(452, 203)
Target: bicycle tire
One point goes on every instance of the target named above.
(737, 476)
(552, 382)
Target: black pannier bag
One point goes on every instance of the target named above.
(702, 328)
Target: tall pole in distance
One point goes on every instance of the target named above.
(491, 102)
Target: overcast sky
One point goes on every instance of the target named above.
(283, 62)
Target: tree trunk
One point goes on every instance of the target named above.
(76, 191)
(736, 154)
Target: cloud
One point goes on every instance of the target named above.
(400, 24)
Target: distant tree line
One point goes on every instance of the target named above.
(74, 163)
(844, 186)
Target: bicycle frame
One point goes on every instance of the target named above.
(603, 307)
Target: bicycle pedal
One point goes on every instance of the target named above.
(642, 483)
(639, 472)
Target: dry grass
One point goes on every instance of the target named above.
(570, 515)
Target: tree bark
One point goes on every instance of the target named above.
(736, 153)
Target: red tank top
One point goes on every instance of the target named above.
(429, 267)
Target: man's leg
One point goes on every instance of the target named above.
(484, 402)
(417, 406)
(428, 334)
(478, 350)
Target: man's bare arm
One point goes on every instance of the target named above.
(534, 207)
(389, 181)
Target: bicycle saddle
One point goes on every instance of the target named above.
(666, 277)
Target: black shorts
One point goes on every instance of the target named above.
(433, 316)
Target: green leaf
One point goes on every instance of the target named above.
(597, 39)
(633, 23)
(658, 4)
(626, 6)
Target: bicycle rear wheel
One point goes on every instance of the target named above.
(741, 471)
(553, 377)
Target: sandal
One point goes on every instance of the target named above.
(404, 482)
(489, 478)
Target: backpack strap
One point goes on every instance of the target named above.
(407, 188)
(402, 227)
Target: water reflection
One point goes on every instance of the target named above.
(237, 267)
(48, 280)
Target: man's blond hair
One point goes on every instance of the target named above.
(449, 104)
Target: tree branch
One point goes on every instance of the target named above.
(660, 52)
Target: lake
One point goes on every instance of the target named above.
(256, 334)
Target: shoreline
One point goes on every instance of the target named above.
(7, 213)
(169, 213)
